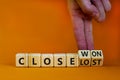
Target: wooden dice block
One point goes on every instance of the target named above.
(59, 60)
(84, 57)
(47, 60)
(97, 58)
(34, 60)
(21, 60)
(72, 60)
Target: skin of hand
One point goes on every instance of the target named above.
(82, 12)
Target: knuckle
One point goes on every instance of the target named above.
(88, 10)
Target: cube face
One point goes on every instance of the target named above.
(84, 53)
(84, 57)
(97, 62)
(85, 61)
(21, 60)
(97, 58)
(72, 60)
(47, 60)
(34, 60)
(59, 60)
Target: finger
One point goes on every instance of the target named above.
(88, 8)
(100, 7)
(79, 33)
(88, 34)
(107, 5)
(78, 25)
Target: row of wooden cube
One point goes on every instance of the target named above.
(82, 58)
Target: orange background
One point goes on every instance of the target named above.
(45, 26)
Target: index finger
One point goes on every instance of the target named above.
(78, 24)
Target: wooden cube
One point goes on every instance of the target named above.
(59, 60)
(47, 60)
(97, 58)
(72, 60)
(84, 57)
(21, 60)
(34, 60)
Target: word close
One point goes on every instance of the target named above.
(82, 58)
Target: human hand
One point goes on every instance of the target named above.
(82, 12)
